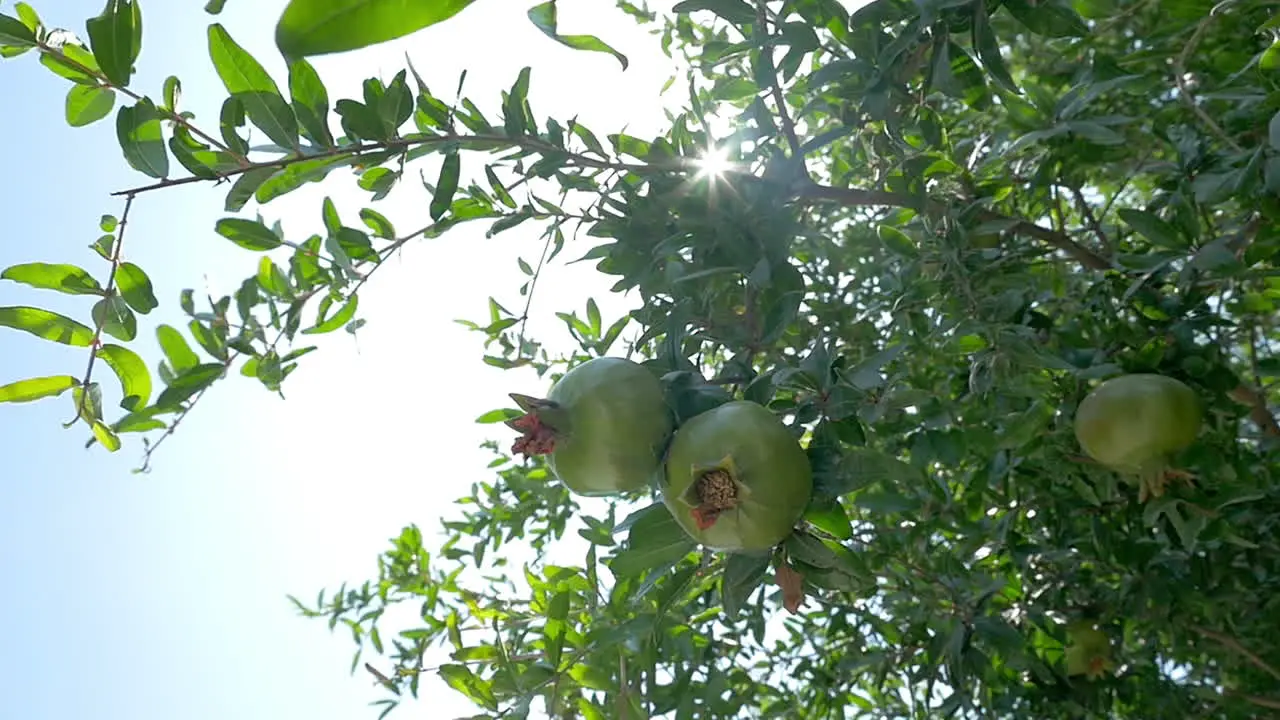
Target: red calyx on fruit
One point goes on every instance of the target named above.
(716, 493)
(537, 439)
(537, 427)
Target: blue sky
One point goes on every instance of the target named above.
(143, 597)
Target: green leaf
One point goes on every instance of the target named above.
(74, 63)
(88, 104)
(105, 436)
(209, 340)
(141, 139)
(47, 325)
(340, 318)
(544, 18)
(1273, 131)
(15, 34)
(310, 102)
(247, 81)
(499, 190)
(113, 315)
(1051, 18)
(140, 421)
(172, 92)
(655, 540)
(988, 46)
(245, 186)
(320, 27)
(67, 279)
(1153, 228)
(446, 186)
(742, 575)
(188, 383)
(214, 7)
(135, 380)
(116, 39)
(735, 11)
(830, 517)
(810, 550)
(135, 288)
(36, 388)
(248, 234)
(462, 679)
(176, 350)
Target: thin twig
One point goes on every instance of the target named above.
(1091, 220)
(1184, 92)
(1234, 645)
(185, 411)
(169, 113)
(775, 83)
(107, 294)
(528, 298)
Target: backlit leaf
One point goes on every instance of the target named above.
(135, 380)
(340, 318)
(176, 350)
(36, 388)
(47, 325)
(67, 279)
(88, 104)
(320, 27)
(543, 17)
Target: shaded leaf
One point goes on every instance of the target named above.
(247, 81)
(742, 574)
(446, 185)
(248, 234)
(116, 319)
(116, 39)
(141, 138)
(188, 383)
(135, 288)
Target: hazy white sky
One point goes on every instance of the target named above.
(161, 596)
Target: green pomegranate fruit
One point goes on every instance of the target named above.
(736, 479)
(603, 427)
(1088, 650)
(1133, 423)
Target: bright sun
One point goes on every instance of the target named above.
(714, 163)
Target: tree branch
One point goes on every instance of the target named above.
(775, 87)
(1184, 91)
(857, 197)
(107, 294)
(1232, 644)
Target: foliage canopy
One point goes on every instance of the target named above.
(939, 224)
